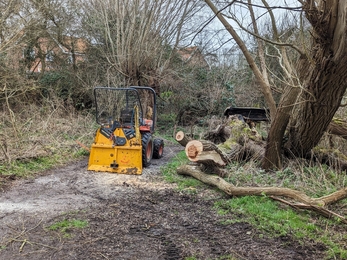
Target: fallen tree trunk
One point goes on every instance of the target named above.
(307, 202)
(331, 157)
(338, 127)
(194, 171)
(228, 188)
(219, 135)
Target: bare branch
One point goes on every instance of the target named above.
(264, 86)
(283, 44)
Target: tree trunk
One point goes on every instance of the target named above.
(323, 98)
(324, 79)
(273, 153)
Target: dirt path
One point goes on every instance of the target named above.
(129, 217)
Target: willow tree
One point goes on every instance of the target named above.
(133, 39)
(315, 81)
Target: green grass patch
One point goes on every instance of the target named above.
(190, 258)
(28, 167)
(184, 183)
(23, 168)
(265, 214)
(67, 226)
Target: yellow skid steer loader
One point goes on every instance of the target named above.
(124, 142)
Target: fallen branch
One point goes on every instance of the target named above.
(338, 127)
(83, 146)
(228, 188)
(324, 212)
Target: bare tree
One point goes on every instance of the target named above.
(315, 80)
(135, 39)
(15, 18)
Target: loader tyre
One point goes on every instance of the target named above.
(147, 149)
(158, 148)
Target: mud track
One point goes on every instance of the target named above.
(129, 217)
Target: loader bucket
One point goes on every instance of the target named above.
(105, 156)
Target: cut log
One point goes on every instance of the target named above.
(182, 138)
(219, 135)
(239, 143)
(205, 152)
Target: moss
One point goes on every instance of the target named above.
(339, 121)
(226, 146)
(330, 152)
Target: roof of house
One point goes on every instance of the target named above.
(192, 55)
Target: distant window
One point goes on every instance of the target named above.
(29, 53)
(50, 56)
(70, 59)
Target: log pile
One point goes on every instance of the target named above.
(237, 140)
(233, 140)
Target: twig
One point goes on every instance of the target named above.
(21, 247)
(325, 212)
(103, 256)
(83, 146)
(39, 244)
(4, 149)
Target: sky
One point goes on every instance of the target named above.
(214, 38)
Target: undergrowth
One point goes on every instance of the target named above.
(39, 138)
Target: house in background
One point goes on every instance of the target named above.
(49, 54)
(193, 56)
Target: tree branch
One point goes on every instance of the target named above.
(306, 202)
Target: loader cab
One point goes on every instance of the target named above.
(124, 142)
(119, 104)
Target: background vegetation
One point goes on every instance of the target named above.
(45, 111)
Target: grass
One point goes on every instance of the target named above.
(265, 214)
(186, 184)
(39, 138)
(67, 225)
(272, 219)
(28, 167)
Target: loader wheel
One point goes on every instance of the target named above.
(158, 148)
(147, 149)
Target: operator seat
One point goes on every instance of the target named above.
(127, 116)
